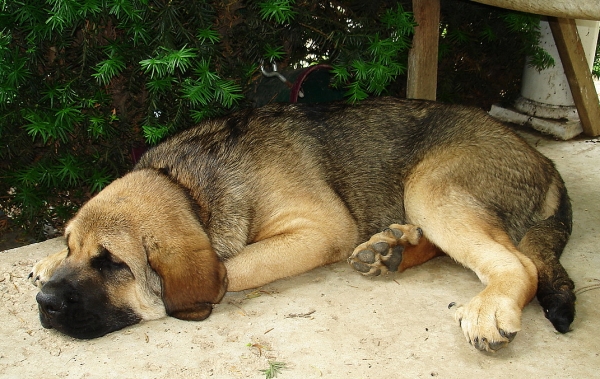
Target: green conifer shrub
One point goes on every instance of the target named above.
(86, 84)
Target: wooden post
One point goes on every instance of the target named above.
(577, 70)
(423, 56)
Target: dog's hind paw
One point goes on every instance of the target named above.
(489, 323)
(383, 252)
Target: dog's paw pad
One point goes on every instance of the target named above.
(375, 259)
(364, 268)
(366, 256)
(383, 252)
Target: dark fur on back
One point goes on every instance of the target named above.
(370, 162)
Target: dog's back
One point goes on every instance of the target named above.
(366, 153)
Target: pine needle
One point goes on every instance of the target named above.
(274, 369)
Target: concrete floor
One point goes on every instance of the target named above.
(330, 322)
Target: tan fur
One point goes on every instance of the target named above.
(306, 227)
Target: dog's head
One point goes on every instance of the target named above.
(136, 252)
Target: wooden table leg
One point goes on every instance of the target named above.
(423, 56)
(579, 76)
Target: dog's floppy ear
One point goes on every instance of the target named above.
(193, 278)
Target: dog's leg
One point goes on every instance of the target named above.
(395, 249)
(555, 288)
(285, 255)
(42, 271)
(298, 230)
(458, 216)
(493, 317)
(544, 243)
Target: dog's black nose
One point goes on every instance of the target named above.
(49, 304)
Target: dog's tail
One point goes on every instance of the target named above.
(544, 243)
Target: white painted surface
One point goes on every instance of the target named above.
(550, 86)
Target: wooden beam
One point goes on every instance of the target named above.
(423, 55)
(577, 70)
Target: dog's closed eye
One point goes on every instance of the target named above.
(106, 263)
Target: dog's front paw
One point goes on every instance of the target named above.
(383, 252)
(44, 269)
(489, 323)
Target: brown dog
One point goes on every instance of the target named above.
(267, 193)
